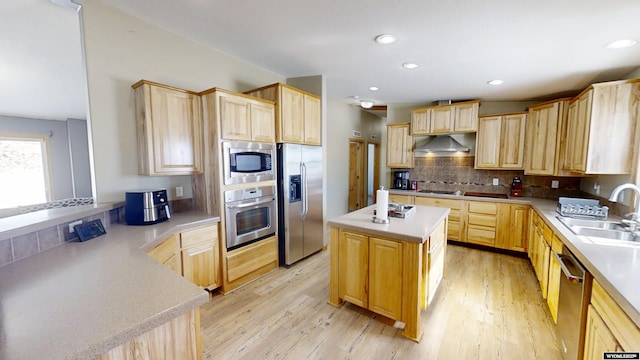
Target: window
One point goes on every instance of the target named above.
(24, 170)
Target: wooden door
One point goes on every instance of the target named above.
(353, 267)
(581, 140)
(385, 277)
(177, 132)
(312, 120)
(572, 133)
(199, 264)
(420, 121)
(488, 142)
(553, 289)
(263, 124)
(166, 254)
(542, 131)
(235, 123)
(356, 175)
(512, 141)
(290, 124)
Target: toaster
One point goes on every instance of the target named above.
(146, 207)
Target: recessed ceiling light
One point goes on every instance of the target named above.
(409, 65)
(619, 44)
(385, 39)
(366, 104)
(373, 88)
(495, 82)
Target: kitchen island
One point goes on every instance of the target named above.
(391, 269)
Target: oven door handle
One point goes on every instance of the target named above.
(250, 204)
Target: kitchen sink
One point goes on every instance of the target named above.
(599, 229)
(442, 192)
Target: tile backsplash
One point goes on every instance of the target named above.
(458, 173)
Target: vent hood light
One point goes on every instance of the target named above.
(442, 143)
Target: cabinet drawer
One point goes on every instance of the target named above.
(483, 207)
(252, 257)
(481, 235)
(199, 235)
(483, 220)
(451, 204)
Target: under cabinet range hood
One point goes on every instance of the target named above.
(442, 143)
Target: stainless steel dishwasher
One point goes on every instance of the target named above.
(575, 291)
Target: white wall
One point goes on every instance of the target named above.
(120, 50)
(342, 120)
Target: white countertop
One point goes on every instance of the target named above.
(81, 299)
(416, 227)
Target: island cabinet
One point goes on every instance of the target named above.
(457, 220)
(601, 128)
(608, 327)
(391, 269)
(500, 142)
(399, 146)
(238, 117)
(170, 130)
(298, 113)
(546, 133)
(445, 119)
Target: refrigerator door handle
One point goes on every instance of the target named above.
(305, 198)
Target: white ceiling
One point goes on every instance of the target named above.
(539, 48)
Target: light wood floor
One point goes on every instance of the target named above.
(488, 307)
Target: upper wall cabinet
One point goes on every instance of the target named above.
(399, 146)
(601, 128)
(245, 118)
(500, 142)
(298, 113)
(445, 119)
(169, 126)
(546, 134)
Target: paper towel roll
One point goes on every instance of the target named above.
(382, 204)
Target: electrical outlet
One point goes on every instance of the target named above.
(179, 191)
(596, 187)
(71, 225)
(496, 181)
(555, 184)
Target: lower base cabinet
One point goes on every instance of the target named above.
(608, 327)
(166, 253)
(249, 262)
(178, 338)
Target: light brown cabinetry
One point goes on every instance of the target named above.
(456, 224)
(555, 272)
(608, 327)
(169, 129)
(540, 252)
(298, 113)
(245, 119)
(201, 256)
(546, 133)
(500, 141)
(601, 128)
(399, 146)
(482, 221)
(249, 262)
(513, 227)
(166, 253)
(401, 199)
(445, 119)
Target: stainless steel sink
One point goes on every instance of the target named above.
(589, 223)
(600, 229)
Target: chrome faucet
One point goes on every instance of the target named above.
(635, 216)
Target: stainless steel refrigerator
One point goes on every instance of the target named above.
(300, 227)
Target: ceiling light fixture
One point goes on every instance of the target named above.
(495, 82)
(366, 104)
(373, 88)
(620, 44)
(409, 65)
(385, 39)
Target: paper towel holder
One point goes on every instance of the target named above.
(376, 219)
(380, 221)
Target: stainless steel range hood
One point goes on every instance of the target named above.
(442, 143)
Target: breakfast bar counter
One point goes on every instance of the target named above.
(391, 269)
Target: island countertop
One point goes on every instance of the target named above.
(81, 299)
(417, 227)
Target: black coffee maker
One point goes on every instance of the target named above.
(401, 180)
